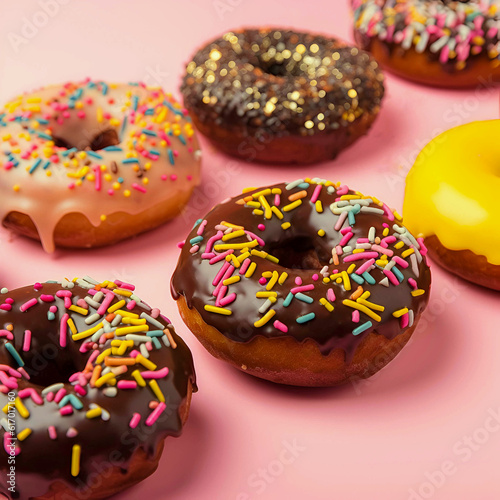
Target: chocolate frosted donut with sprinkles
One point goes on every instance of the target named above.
(447, 43)
(92, 380)
(88, 164)
(308, 283)
(275, 95)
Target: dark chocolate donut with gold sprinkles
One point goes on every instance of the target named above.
(280, 96)
(308, 283)
(92, 380)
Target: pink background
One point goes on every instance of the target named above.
(378, 439)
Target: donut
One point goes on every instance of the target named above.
(446, 43)
(451, 200)
(89, 164)
(308, 283)
(92, 380)
(275, 95)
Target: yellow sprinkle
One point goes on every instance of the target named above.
(234, 234)
(321, 232)
(243, 256)
(94, 413)
(399, 245)
(105, 379)
(258, 212)
(407, 253)
(235, 246)
(265, 295)
(319, 206)
(126, 314)
(103, 218)
(283, 277)
(16, 187)
(126, 193)
(101, 356)
(116, 306)
(253, 204)
(79, 310)
(327, 304)
(285, 225)
(250, 270)
(347, 281)
(267, 208)
(272, 281)
(264, 192)
(218, 310)
(416, 293)
(72, 326)
(231, 280)
(149, 365)
(156, 390)
(262, 321)
(385, 232)
(138, 377)
(232, 258)
(400, 312)
(86, 333)
(24, 434)
(124, 293)
(362, 308)
(75, 460)
(131, 329)
(99, 115)
(291, 206)
(276, 211)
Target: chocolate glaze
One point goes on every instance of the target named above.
(104, 443)
(305, 253)
(279, 82)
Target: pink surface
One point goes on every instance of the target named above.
(436, 407)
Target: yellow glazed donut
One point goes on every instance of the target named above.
(90, 163)
(452, 200)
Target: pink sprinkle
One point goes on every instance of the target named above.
(156, 374)
(260, 241)
(330, 295)
(27, 305)
(181, 244)
(5, 307)
(226, 300)
(355, 316)
(388, 212)
(412, 283)
(6, 333)
(134, 421)
(221, 272)
(131, 305)
(105, 303)
(98, 177)
(212, 240)
(364, 267)
(298, 280)
(280, 326)
(127, 384)
(400, 261)
(50, 397)
(206, 255)
(305, 288)
(423, 248)
(201, 227)
(346, 239)
(66, 410)
(277, 200)
(383, 250)
(153, 417)
(361, 256)
(52, 432)
(261, 227)
(262, 280)
(340, 221)
(59, 395)
(164, 177)
(391, 277)
(342, 190)
(47, 298)
(63, 329)
(53, 309)
(404, 320)
(221, 256)
(63, 293)
(27, 340)
(345, 230)
(139, 188)
(194, 249)
(316, 192)
(244, 266)
(173, 177)
(9, 300)
(72, 432)
(80, 390)
(315, 277)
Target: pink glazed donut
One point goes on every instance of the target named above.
(89, 164)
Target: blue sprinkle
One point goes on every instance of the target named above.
(104, 88)
(46, 165)
(398, 273)
(305, 318)
(69, 151)
(181, 138)
(351, 218)
(358, 279)
(171, 157)
(288, 300)
(120, 180)
(154, 152)
(155, 333)
(196, 239)
(197, 223)
(94, 155)
(175, 110)
(362, 328)
(149, 111)
(135, 101)
(149, 132)
(304, 298)
(51, 316)
(303, 185)
(14, 353)
(91, 85)
(113, 148)
(42, 135)
(72, 400)
(43, 121)
(369, 278)
(156, 342)
(122, 128)
(130, 160)
(35, 165)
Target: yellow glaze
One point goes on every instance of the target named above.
(453, 190)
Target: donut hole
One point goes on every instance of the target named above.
(103, 139)
(299, 253)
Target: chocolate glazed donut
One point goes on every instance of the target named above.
(91, 382)
(308, 283)
(280, 96)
